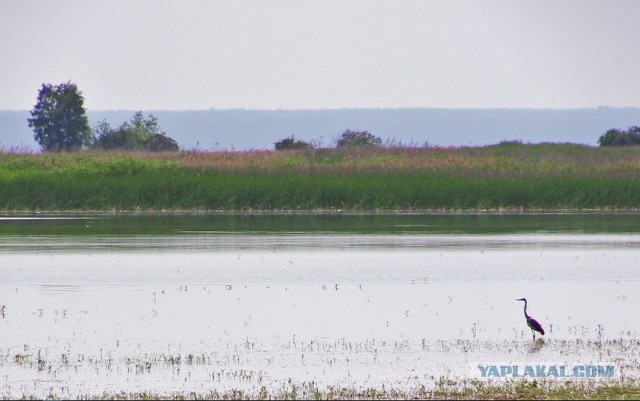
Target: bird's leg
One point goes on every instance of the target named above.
(534, 334)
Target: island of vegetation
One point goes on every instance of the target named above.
(139, 168)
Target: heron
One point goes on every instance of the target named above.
(531, 322)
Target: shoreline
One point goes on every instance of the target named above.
(322, 212)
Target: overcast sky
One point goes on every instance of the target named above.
(297, 54)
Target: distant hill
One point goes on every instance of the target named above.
(259, 129)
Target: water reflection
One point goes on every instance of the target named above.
(210, 241)
(459, 224)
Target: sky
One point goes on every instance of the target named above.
(329, 54)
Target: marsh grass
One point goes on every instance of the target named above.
(508, 175)
(235, 379)
(471, 390)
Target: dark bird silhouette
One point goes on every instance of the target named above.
(531, 322)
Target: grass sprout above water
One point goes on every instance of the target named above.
(445, 390)
(231, 376)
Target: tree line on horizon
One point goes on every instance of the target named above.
(60, 123)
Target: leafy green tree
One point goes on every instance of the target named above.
(617, 137)
(291, 143)
(357, 138)
(141, 128)
(139, 133)
(59, 119)
(101, 129)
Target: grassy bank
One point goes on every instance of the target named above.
(509, 175)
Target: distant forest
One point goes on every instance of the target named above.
(261, 129)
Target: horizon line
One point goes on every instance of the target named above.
(360, 109)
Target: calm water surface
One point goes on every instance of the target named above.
(194, 303)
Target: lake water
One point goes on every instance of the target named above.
(174, 304)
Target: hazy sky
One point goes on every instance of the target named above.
(298, 54)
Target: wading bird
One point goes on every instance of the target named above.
(531, 322)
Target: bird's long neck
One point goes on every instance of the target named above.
(525, 309)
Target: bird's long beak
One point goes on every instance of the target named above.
(520, 299)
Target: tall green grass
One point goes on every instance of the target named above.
(511, 175)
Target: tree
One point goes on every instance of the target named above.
(617, 137)
(138, 134)
(357, 138)
(59, 119)
(291, 143)
(102, 129)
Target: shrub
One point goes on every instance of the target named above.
(138, 134)
(616, 137)
(291, 143)
(357, 138)
(160, 143)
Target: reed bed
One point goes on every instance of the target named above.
(509, 175)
